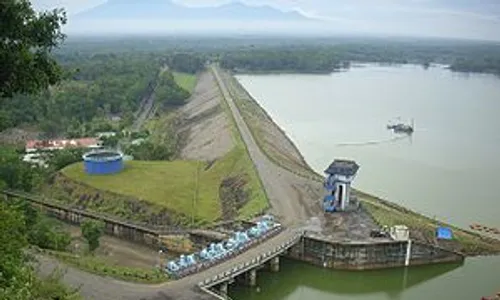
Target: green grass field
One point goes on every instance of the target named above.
(185, 80)
(181, 186)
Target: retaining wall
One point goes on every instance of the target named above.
(369, 255)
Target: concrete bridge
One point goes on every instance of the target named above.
(249, 268)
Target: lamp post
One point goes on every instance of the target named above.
(159, 264)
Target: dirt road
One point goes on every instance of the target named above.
(106, 288)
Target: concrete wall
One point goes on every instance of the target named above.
(120, 229)
(361, 256)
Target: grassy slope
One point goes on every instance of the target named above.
(185, 80)
(180, 186)
(386, 213)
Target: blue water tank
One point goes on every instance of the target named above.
(103, 162)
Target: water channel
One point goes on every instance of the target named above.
(448, 169)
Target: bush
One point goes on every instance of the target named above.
(92, 232)
(46, 234)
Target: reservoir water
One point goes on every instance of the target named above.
(448, 169)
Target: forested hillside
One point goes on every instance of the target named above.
(96, 88)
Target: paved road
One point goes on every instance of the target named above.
(106, 288)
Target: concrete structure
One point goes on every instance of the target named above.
(399, 233)
(124, 230)
(102, 162)
(364, 255)
(340, 174)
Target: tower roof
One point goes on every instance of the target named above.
(343, 167)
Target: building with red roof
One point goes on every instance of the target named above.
(45, 145)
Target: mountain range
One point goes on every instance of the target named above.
(167, 10)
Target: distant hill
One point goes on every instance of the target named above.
(166, 10)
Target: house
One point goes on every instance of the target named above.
(49, 145)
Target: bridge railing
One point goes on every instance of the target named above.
(208, 264)
(244, 267)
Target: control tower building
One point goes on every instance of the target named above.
(339, 176)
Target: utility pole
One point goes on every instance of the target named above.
(195, 198)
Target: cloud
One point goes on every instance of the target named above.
(445, 18)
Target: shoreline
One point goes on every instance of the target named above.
(469, 240)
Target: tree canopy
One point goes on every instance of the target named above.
(26, 40)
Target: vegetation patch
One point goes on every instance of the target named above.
(185, 80)
(266, 133)
(182, 187)
(423, 228)
(233, 196)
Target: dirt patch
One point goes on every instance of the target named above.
(233, 196)
(114, 250)
(204, 123)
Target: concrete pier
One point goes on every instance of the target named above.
(274, 263)
(252, 277)
(223, 289)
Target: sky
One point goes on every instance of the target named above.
(470, 19)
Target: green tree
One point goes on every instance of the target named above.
(26, 40)
(92, 232)
(65, 157)
(17, 277)
(46, 234)
(15, 173)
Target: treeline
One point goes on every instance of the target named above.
(302, 54)
(301, 60)
(185, 62)
(328, 58)
(168, 92)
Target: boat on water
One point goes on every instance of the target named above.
(400, 127)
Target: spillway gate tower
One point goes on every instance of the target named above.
(339, 176)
